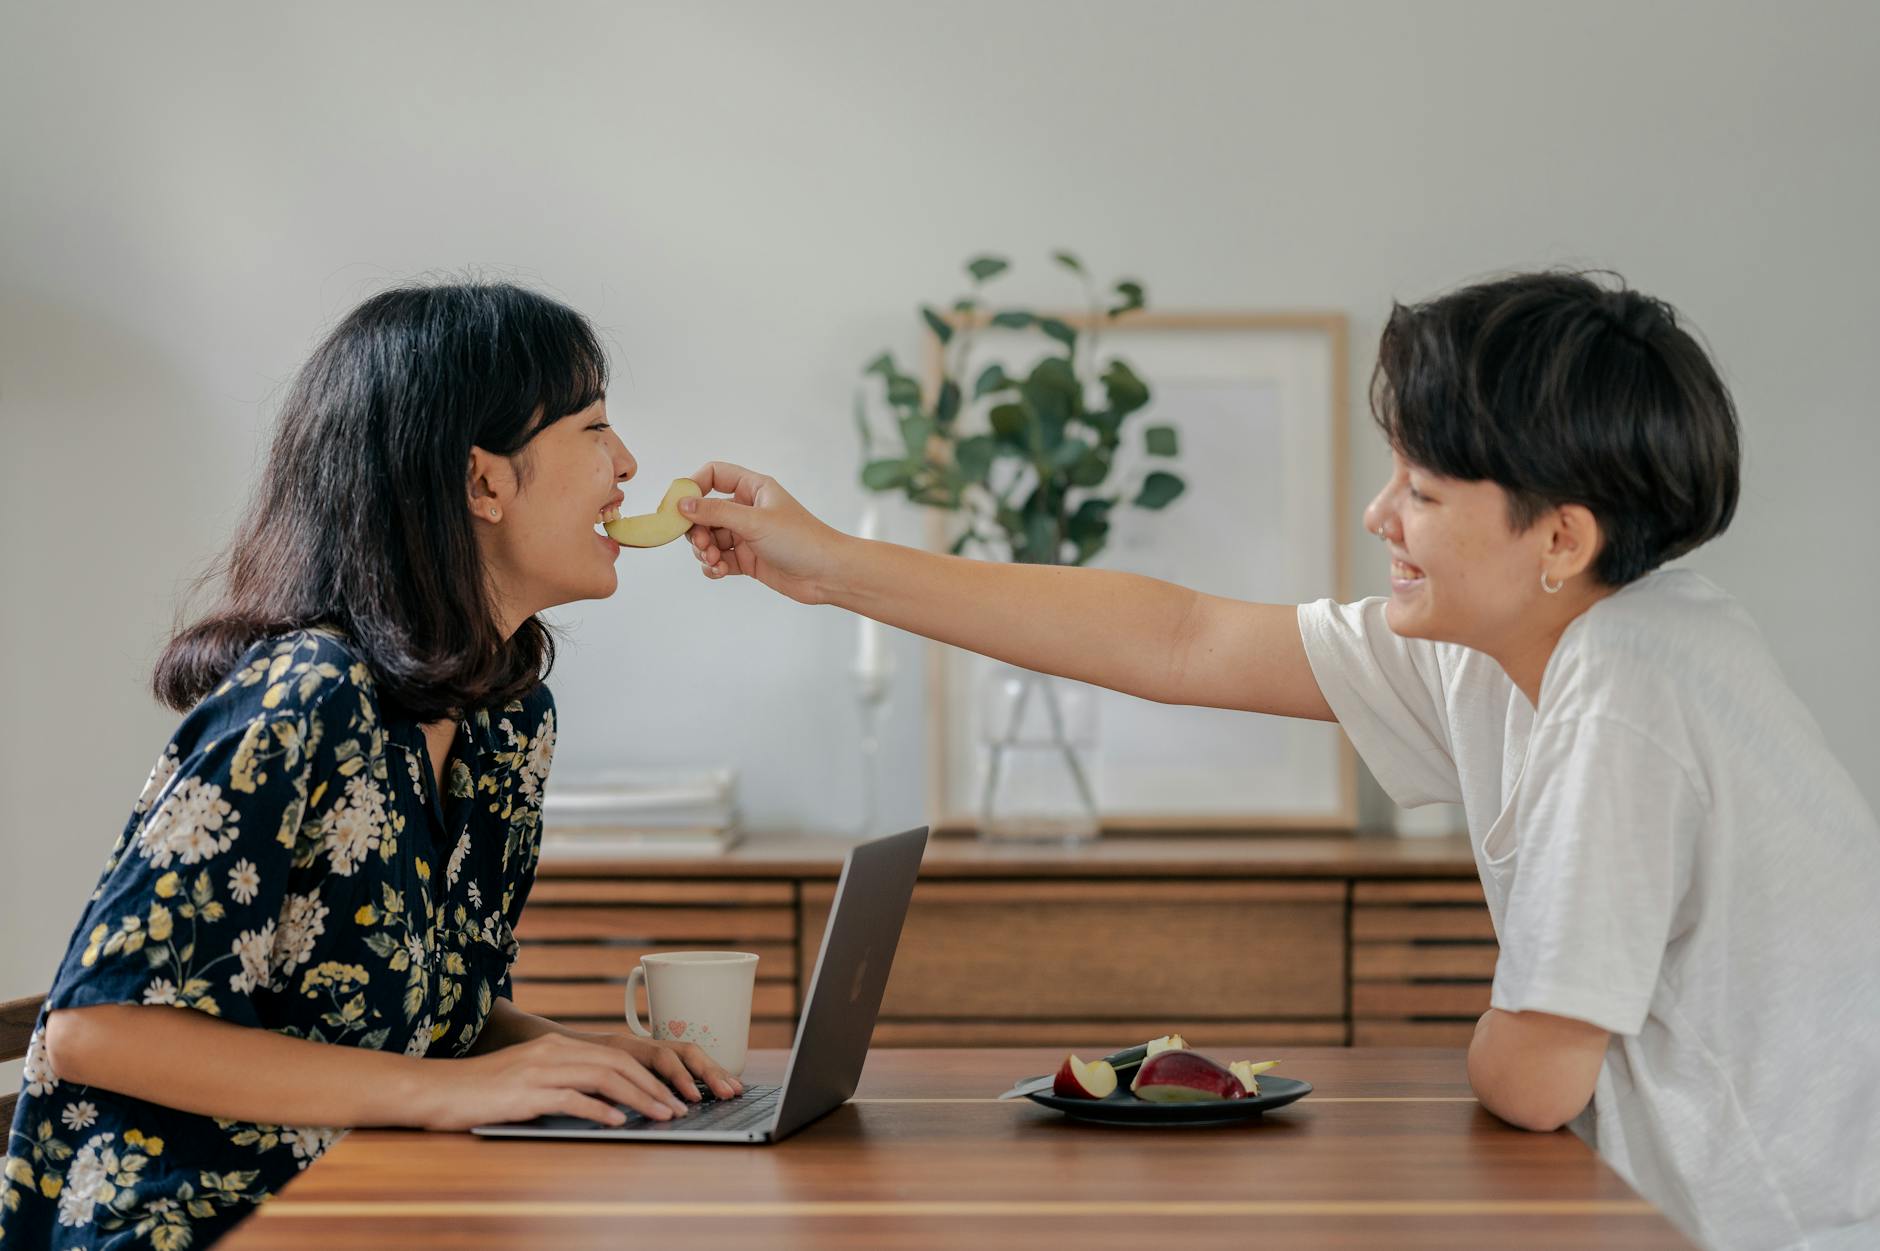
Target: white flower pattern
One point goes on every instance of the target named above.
(285, 877)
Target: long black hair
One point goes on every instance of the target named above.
(361, 521)
(1564, 390)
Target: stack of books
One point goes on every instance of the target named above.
(631, 812)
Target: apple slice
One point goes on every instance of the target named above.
(1181, 1076)
(1168, 1042)
(1248, 1070)
(659, 527)
(1077, 1080)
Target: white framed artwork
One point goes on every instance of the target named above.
(1259, 403)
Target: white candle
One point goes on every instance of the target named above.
(870, 658)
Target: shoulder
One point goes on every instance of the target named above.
(300, 680)
(1656, 636)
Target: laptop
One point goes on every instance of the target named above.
(831, 1036)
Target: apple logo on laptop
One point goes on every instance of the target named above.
(861, 971)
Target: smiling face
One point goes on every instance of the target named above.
(1459, 572)
(538, 513)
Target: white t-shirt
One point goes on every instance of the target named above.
(1670, 851)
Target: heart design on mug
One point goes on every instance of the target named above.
(676, 1028)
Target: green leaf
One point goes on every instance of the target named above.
(1132, 298)
(1053, 392)
(1061, 331)
(1068, 261)
(1013, 319)
(1090, 470)
(966, 304)
(1091, 518)
(986, 267)
(991, 378)
(1160, 490)
(1068, 453)
(938, 324)
(1040, 538)
(1012, 424)
(1161, 441)
(959, 544)
(883, 365)
(884, 475)
(903, 392)
(1127, 392)
(947, 407)
(915, 431)
(973, 457)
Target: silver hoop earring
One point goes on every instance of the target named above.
(1552, 588)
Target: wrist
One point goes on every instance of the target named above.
(418, 1095)
(838, 583)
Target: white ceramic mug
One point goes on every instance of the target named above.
(701, 997)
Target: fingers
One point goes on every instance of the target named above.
(726, 478)
(669, 1066)
(574, 1103)
(619, 1083)
(720, 513)
(694, 1058)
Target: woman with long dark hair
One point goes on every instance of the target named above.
(328, 861)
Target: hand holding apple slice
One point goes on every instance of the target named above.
(1248, 1070)
(1077, 1080)
(659, 527)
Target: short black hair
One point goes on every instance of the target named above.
(360, 521)
(1564, 389)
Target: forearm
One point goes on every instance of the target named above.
(1111, 629)
(508, 1025)
(186, 1059)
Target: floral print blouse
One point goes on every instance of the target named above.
(289, 866)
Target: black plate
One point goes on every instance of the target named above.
(1123, 1108)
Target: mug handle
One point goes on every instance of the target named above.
(636, 978)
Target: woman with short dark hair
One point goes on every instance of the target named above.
(327, 864)
(1682, 876)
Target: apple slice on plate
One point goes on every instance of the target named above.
(1077, 1080)
(1182, 1076)
(1249, 1070)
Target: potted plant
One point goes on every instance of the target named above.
(1030, 483)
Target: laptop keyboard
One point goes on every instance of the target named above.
(757, 1105)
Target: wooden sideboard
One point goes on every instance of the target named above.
(1262, 941)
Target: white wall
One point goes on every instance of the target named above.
(750, 198)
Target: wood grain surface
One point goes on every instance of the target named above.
(1389, 1151)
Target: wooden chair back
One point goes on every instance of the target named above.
(17, 1018)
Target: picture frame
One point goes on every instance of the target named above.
(1238, 386)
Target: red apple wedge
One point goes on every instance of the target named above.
(1182, 1076)
(1077, 1080)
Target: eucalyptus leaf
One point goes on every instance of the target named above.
(1159, 490)
(1161, 441)
(991, 378)
(915, 431)
(1059, 330)
(966, 304)
(1127, 392)
(983, 268)
(884, 475)
(973, 457)
(1091, 469)
(1012, 424)
(938, 324)
(1013, 319)
(947, 407)
(1068, 453)
(903, 392)
(883, 365)
(1068, 261)
(1132, 298)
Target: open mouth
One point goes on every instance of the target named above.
(1404, 575)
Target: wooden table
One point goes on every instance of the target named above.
(1388, 1151)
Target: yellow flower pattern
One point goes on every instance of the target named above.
(288, 866)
